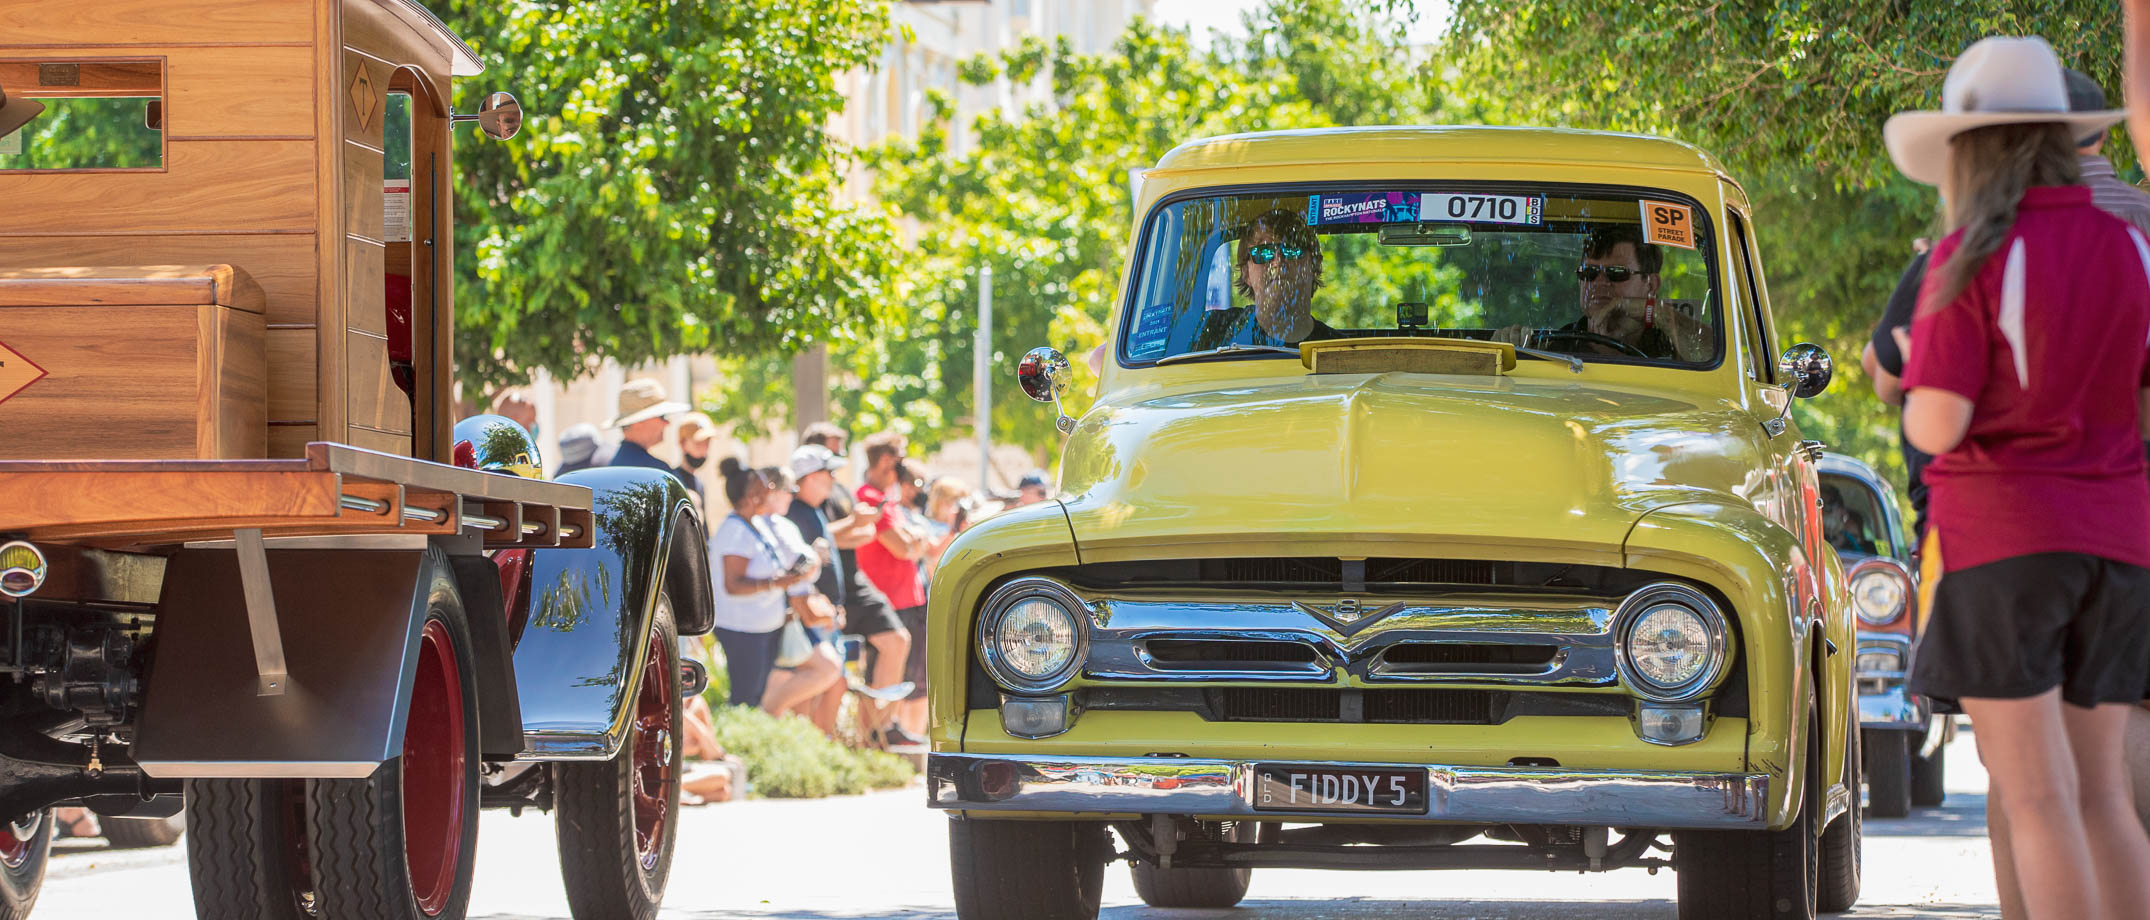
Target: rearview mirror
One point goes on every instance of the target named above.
(499, 116)
(1044, 375)
(1808, 368)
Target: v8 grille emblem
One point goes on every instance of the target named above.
(1348, 616)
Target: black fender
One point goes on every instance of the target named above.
(500, 712)
(350, 621)
(587, 612)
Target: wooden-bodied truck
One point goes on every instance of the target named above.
(246, 554)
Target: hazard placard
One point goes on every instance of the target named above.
(1669, 223)
(16, 372)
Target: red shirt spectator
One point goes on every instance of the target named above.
(2049, 344)
(898, 578)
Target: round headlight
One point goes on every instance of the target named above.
(1672, 642)
(1877, 596)
(1669, 645)
(1033, 640)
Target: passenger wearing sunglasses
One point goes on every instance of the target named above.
(1279, 268)
(1617, 290)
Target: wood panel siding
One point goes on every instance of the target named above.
(148, 22)
(376, 401)
(281, 264)
(287, 441)
(206, 187)
(292, 395)
(364, 294)
(383, 441)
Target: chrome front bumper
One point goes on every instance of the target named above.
(1467, 795)
(1884, 701)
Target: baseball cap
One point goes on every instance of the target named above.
(2084, 95)
(1032, 479)
(814, 458)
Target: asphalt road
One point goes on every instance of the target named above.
(884, 856)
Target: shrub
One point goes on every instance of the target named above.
(788, 758)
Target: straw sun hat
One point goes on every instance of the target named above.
(2003, 80)
(642, 399)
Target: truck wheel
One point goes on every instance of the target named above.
(143, 833)
(246, 849)
(397, 845)
(1756, 875)
(25, 843)
(1927, 777)
(617, 818)
(1843, 844)
(1027, 870)
(1888, 772)
(1196, 887)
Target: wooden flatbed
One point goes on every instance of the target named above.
(336, 490)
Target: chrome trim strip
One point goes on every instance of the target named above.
(1221, 788)
(1579, 628)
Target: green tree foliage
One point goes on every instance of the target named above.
(1792, 94)
(673, 190)
(1043, 198)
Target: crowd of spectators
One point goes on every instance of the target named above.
(821, 567)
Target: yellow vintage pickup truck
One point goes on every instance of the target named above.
(1440, 508)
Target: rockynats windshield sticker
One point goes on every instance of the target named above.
(1362, 208)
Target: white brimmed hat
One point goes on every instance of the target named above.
(2003, 80)
(14, 113)
(642, 399)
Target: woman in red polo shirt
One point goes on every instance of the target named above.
(2026, 381)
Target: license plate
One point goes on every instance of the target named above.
(1290, 787)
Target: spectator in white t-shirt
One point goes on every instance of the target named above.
(796, 689)
(753, 578)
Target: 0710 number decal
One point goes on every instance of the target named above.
(1493, 209)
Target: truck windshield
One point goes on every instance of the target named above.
(1598, 275)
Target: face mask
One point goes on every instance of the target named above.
(695, 463)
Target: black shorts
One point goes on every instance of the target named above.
(867, 612)
(2024, 625)
(914, 664)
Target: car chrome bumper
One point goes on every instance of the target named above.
(1884, 700)
(1472, 795)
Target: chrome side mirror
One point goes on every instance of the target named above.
(499, 116)
(1809, 369)
(1044, 375)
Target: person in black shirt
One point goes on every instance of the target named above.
(1884, 363)
(1279, 268)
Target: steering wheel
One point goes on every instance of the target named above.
(1580, 335)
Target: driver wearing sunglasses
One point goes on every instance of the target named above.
(1279, 268)
(1617, 289)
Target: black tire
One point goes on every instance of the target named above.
(1195, 887)
(1756, 875)
(143, 833)
(365, 851)
(28, 848)
(1843, 843)
(1027, 870)
(1888, 772)
(612, 873)
(1929, 777)
(246, 849)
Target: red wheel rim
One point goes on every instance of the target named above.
(433, 793)
(652, 740)
(15, 839)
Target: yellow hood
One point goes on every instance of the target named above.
(1464, 461)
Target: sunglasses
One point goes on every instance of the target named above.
(1613, 273)
(1266, 253)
